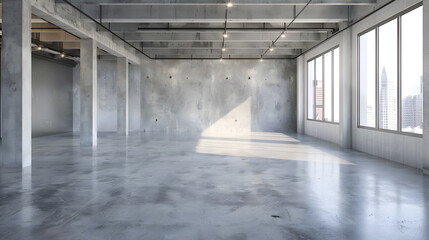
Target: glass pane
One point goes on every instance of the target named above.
(328, 86)
(319, 88)
(388, 84)
(367, 76)
(412, 71)
(310, 92)
(337, 85)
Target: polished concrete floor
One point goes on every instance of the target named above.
(259, 186)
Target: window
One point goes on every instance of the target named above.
(310, 84)
(390, 75)
(412, 71)
(367, 75)
(323, 87)
(337, 85)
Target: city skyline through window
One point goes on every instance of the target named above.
(391, 75)
(323, 79)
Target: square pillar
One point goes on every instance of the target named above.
(88, 92)
(346, 90)
(122, 92)
(16, 84)
(426, 86)
(300, 86)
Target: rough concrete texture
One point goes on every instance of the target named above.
(52, 97)
(134, 114)
(71, 20)
(122, 95)
(222, 96)
(261, 186)
(88, 92)
(107, 97)
(16, 84)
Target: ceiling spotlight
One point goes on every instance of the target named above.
(283, 35)
(223, 49)
(62, 55)
(261, 59)
(229, 4)
(221, 59)
(271, 49)
(225, 35)
(39, 48)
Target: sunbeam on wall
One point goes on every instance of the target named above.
(238, 120)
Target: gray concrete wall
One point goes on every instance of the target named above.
(404, 149)
(227, 96)
(107, 97)
(52, 98)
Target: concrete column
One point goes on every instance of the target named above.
(134, 88)
(426, 86)
(16, 83)
(122, 92)
(300, 86)
(88, 92)
(346, 90)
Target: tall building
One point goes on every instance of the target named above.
(387, 103)
(412, 111)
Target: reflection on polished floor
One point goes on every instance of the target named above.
(255, 186)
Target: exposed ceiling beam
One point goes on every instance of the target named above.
(228, 45)
(215, 37)
(216, 14)
(133, 27)
(222, 2)
(68, 18)
(219, 51)
(218, 56)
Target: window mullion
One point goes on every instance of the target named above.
(399, 82)
(377, 100)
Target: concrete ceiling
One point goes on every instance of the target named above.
(195, 28)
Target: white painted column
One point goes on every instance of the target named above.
(300, 90)
(346, 90)
(122, 92)
(16, 83)
(426, 86)
(88, 92)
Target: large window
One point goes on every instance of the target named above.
(367, 74)
(412, 71)
(324, 87)
(390, 75)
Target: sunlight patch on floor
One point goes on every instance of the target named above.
(264, 145)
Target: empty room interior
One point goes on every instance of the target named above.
(214, 119)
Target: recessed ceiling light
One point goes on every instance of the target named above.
(62, 55)
(223, 49)
(229, 4)
(225, 35)
(283, 35)
(261, 60)
(271, 49)
(39, 48)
